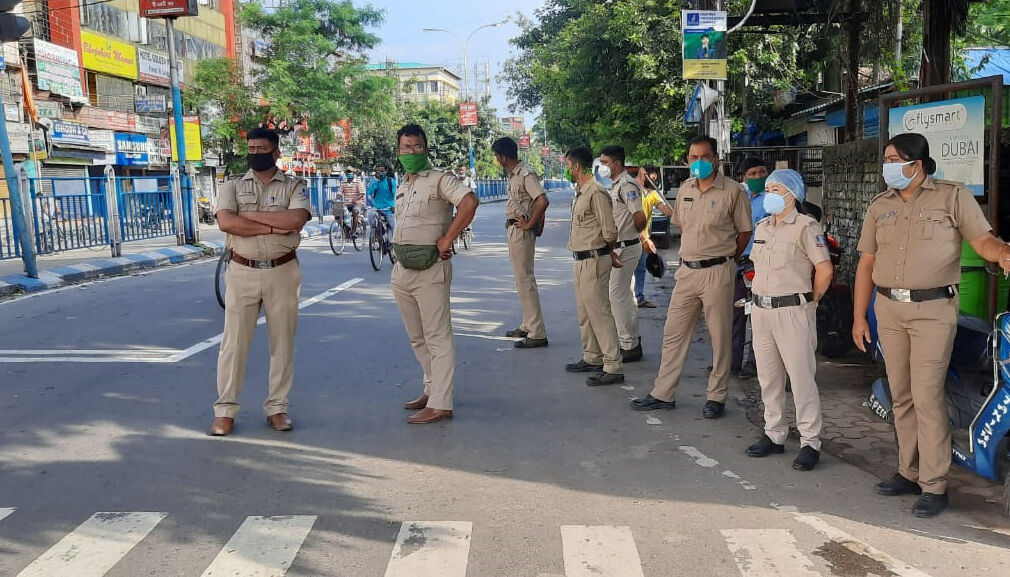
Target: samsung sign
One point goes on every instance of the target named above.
(131, 149)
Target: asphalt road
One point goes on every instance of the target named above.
(105, 468)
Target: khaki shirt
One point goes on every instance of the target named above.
(785, 254)
(524, 188)
(917, 244)
(710, 221)
(592, 218)
(424, 206)
(627, 196)
(249, 194)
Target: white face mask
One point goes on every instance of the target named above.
(603, 171)
(894, 175)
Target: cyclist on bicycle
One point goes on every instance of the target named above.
(382, 192)
(354, 198)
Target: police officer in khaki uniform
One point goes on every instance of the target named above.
(422, 276)
(262, 212)
(713, 214)
(788, 251)
(524, 211)
(591, 241)
(911, 250)
(629, 217)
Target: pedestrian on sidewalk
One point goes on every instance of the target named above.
(754, 171)
(630, 221)
(422, 275)
(713, 214)
(524, 215)
(911, 250)
(792, 271)
(651, 199)
(591, 240)
(262, 212)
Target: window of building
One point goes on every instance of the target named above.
(420, 87)
(433, 87)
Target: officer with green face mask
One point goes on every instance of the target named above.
(754, 171)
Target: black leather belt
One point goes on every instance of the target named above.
(263, 264)
(625, 243)
(584, 254)
(696, 264)
(783, 301)
(918, 295)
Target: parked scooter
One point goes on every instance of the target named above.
(206, 210)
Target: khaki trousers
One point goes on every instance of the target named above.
(785, 342)
(708, 290)
(423, 299)
(917, 339)
(277, 291)
(622, 296)
(522, 248)
(596, 321)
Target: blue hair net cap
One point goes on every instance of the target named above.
(790, 179)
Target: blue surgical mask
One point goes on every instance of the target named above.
(701, 169)
(895, 177)
(773, 203)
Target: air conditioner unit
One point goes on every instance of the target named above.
(139, 90)
(204, 2)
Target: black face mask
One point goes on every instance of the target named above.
(262, 161)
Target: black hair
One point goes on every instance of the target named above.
(706, 36)
(914, 146)
(264, 134)
(614, 151)
(382, 164)
(581, 155)
(752, 162)
(649, 168)
(506, 147)
(702, 139)
(411, 130)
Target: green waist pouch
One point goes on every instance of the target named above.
(416, 256)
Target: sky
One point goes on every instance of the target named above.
(404, 41)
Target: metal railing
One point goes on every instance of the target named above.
(146, 208)
(9, 247)
(492, 189)
(73, 216)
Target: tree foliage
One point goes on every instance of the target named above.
(228, 109)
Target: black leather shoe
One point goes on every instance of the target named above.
(898, 485)
(930, 505)
(650, 403)
(807, 459)
(713, 410)
(632, 355)
(764, 447)
(583, 367)
(517, 334)
(529, 343)
(604, 378)
(746, 372)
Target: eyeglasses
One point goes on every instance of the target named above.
(261, 149)
(416, 149)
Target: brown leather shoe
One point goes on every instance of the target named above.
(417, 404)
(221, 427)
(280, 422)
(428, 416)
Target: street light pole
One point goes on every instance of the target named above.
(189, 225)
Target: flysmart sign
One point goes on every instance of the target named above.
(103, 54)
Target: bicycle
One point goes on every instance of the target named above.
(379, 244)
(340, 231)
(219, 282)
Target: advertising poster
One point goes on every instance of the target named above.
(191, 134)
(103, 54)
(57, 70)
(704, 44)
(131, 149)
(468, 114)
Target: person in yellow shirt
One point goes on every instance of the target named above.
(648, 176)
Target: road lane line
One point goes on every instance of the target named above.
(431, 549)
(767, 553)
(700, 458)
(896, 567)
(262, 547)
(6, 512)
(600, 551)
(94, 547)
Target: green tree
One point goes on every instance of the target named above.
(227, 108)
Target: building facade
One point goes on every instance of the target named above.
(421, 82)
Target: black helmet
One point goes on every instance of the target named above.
(655, 265)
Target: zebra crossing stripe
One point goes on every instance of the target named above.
(431, 549)
(262, 547)
(94, 547)
(767, 553)
(600, 551)
(6, 512)
(896, 567)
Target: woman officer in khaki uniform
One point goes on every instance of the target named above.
(911, 250)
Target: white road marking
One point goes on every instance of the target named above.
(699, 457)
(262, 547)
(600, 551)
(896, 567)
(6, 512)
(94, 547)
(740, 480)
(431, 549)
(767, 553)
(147, 355)
(486, 337)
(653, 421)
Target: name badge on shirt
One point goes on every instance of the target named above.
(761, 241)
(688, 199)
(887, 215)
(820, 241)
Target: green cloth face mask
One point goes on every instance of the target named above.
(756, 185)
(414, 163)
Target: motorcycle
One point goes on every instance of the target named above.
(834, 313)
(978, 396)
(206, 210)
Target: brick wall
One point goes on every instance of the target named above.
(851, 179)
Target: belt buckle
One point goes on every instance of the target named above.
(901, 295)
(263, 264)
(764, 302)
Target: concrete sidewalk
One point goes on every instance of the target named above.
(80, 265)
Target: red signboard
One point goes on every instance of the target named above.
(168, 8)
(545, 151)
(524, 141)
(468, 114)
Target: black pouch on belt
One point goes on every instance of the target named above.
(416, 256)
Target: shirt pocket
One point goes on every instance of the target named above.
(247, 201)
(886, 231)
(585, 216)
(781, 254)
(936, 224)
(414, 203)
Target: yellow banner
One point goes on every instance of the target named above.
(191, 133)
(104, 54)
(705, 69)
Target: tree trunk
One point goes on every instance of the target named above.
(936, 31)
(852, 71)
